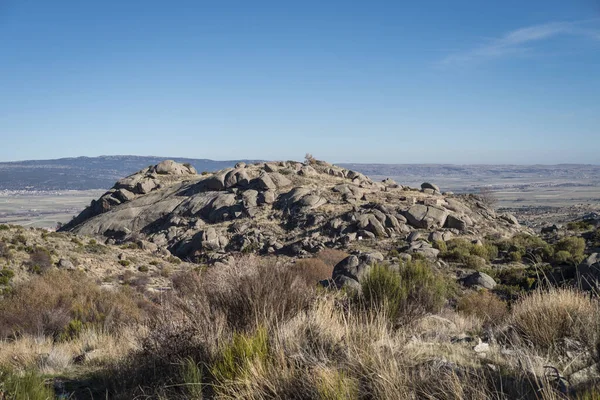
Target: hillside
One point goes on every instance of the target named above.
(281, 208)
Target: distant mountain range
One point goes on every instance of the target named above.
(84, 173)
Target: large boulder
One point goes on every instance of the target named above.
(479, 279)
(425, 217)
(427, 185)
(352, 269)
(170, 167)
(589, 272)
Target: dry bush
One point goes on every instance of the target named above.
(4, 251)
(206, 310)
(248, 291)
(544, 318)
(59, 302)
(484, 305)
(40, 260)
(312, 270)
(331, 257)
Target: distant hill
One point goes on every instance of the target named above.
(83, 173)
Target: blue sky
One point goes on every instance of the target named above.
(348, 81)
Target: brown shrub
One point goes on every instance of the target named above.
(312, 270)
(249, 290)
(4, 251)
(40, 260)
(485, 305)
(47, 304)
(331, 257)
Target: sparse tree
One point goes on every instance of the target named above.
(309, 159)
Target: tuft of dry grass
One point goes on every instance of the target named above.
(544, 318)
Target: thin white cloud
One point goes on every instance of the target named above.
(520, 41)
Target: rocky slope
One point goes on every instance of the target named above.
(25, 252)
(286, 208)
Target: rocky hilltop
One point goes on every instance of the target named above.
(286, 207)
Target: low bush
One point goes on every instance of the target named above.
(579, 226)
(331, 257)
(484, 305)
(4, 251)
(95, 248)
(571, 250)
(4, 227)
(411, 291)
(528, 247)
(19, 239)
(312, 270)
(40, 260)
(472, 255)
(124, 263)
(6, 275)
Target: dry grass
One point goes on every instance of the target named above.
(50, 357)
(545, 318)
(257, 330)
(61, 303)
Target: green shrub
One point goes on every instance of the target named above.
(191, 375)
(526, 246)
(143, 268)
(574, 246)
(131, 246)
(406, 293)
(440, 245)
(523, 278)
(95, 248)
(30, 386)
(5, 276)
(562, 257)
(579, 226)
(174, 260)
(72, 330)
(4, 227)
(237, 356)
(595, 238)
(465, 252)
(19, 239)
(125, 263)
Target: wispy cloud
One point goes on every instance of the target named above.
(520, 41)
